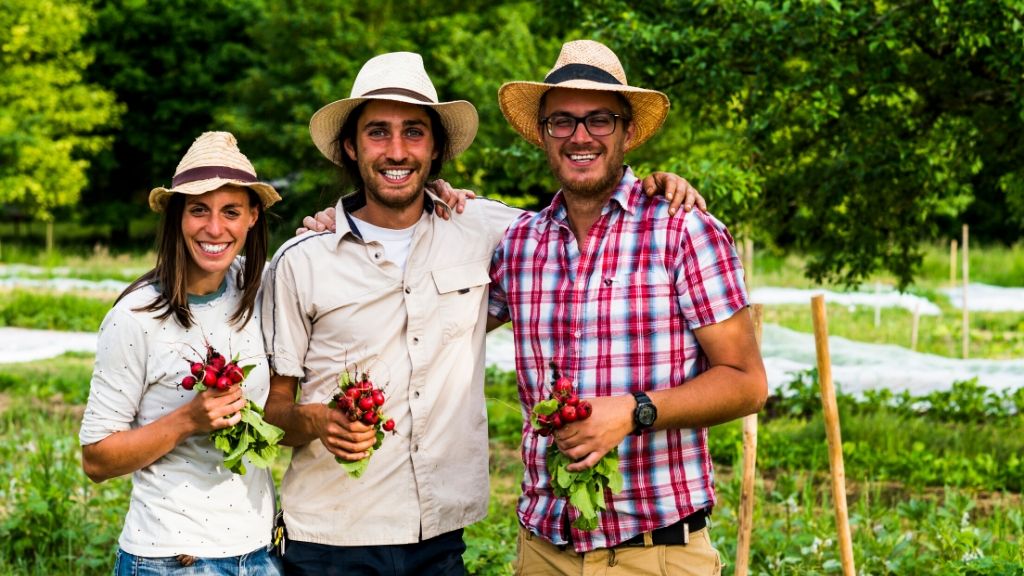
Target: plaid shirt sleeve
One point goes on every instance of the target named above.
(708, 274)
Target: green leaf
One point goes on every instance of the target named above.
(355, 469)
(546, 407)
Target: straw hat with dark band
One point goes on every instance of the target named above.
(584, 65)
(397, 76)
(212, 161)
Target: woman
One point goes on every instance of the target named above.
(188, 512)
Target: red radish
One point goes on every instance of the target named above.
(556, 421)
(188, 382)
(235, 374)
(209, 378)
(568, 413)
(197, 368)
(370, 418)
(563, 387)
(389, 425)
(378, 397)
(353, 393)
(572, 399)
(583, 410)
(223, 383)
(366, 403)
(218, 361)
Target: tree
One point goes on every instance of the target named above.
(311, 50)
(50, 118)
(868, 124)
(172, 63)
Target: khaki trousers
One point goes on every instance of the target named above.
(536, 556)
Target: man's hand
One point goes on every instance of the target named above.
(455, 198)
(319, 222)
(589, 440)
(344, 438)
(676, 190)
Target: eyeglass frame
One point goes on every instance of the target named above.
(577, 120)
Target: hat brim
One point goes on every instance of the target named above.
(458, 117)
(520, 104)
(158, 197)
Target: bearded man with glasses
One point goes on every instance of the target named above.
(645, 313)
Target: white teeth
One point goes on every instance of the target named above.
(213, 248)
(582, 157)
(396, 174)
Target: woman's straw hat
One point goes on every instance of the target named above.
(212, 161)
(584, 65)
(397, 76)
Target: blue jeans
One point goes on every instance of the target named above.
(256, 563)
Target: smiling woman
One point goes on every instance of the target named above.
(188, 508)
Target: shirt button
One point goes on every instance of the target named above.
(577, 334)
(415, 340)
(376, 255)
(408, 290)
(416, 448)
(416, 393)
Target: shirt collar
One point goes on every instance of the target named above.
(356, 200)
(621, 196)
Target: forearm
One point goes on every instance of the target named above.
(130, 450)
(301, 422)
(720, 394)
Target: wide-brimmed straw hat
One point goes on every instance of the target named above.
(212, 161)
(397, 76)
(584, 65)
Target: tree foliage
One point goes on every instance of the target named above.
(868, 124)
(172, 63)
(851, 131)
(50, 118)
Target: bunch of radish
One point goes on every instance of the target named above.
(567, 408)
(215, 371)
(252, 437)
(361, 401)
(583, 490)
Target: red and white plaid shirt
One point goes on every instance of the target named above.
(616, 316)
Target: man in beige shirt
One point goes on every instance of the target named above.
(402, 293)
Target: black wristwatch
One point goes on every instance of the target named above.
(644, 414)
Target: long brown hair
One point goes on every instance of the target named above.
(170, 275)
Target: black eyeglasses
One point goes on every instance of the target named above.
(597, 124)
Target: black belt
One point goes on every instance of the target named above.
(678, 533)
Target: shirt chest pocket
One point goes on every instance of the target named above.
(461, 294)
(636, 305)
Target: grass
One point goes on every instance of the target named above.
(993, 264)
(53, 311)
(935, 493)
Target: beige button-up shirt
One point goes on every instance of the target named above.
(333, 301)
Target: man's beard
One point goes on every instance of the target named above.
(392, 201)
(596, 187)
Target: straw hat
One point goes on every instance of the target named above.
(585, 65)
(397, 76)
(212, 161)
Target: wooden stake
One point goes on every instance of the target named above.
(746, 508)
(878, 304)
(835, 441)
(913, 326)
(965, 326)
(952, 262)
(748, 261)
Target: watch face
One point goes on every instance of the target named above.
(645, 414)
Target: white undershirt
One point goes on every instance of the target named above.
(396, 242)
